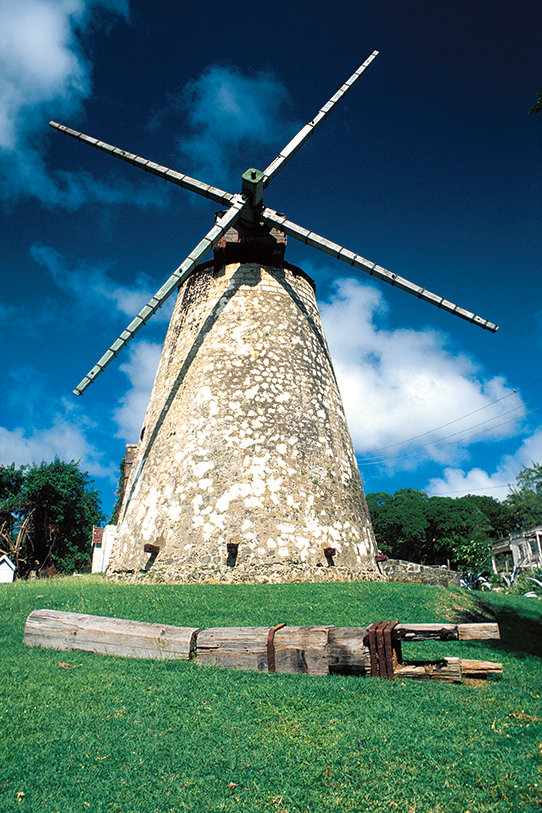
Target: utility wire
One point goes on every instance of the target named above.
(468, 428)
(467, 415)
(482, 488)
(449, 443)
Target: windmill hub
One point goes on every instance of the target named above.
(250, 242)
(252, 190)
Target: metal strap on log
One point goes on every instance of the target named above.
(271, 662)
(279, 648)
(382, 648)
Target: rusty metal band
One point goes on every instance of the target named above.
(373, 648)
(271, 666)
(388, 647)
(381, 648)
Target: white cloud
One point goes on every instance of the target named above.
(91, 285)
(45, 74)
(65, 435)
(228, 110)
(140, 369)
(400, 384)
(458, 482)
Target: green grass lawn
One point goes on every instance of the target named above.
(115, 734)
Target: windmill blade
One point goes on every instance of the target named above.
(305, 133)
(200, 188)
(179, 275)
(272, 218)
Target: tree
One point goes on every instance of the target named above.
(52, 511)
(410, 525)
(500, 516)
(537, 106)
(525, 499)
(399, 522)
(120, 487)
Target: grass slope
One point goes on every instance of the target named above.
(114, 734)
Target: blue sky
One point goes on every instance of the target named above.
(430, 167)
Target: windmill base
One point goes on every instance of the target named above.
(279, 573)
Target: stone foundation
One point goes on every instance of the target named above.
(399, 570)
(280, 573)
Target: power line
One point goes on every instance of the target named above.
(468, 428)
(482, 488)
(449, 443)
(467, 415)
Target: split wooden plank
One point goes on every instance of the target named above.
(445, 669)
(297, 649)
(446, 632)
(452, 669)
(109, 636)
(480, 669)
(478, 632)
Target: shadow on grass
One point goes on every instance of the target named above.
(520, 624)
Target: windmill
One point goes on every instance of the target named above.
(245, 457)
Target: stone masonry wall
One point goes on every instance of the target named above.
(245, 441)
(399, 570)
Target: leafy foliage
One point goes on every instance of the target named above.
(410, 525)
(525, 499)
(56, 506)
(537, 106)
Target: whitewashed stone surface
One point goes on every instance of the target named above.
(245, 439)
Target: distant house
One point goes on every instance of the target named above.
(519, 549)
(7, 569)
(102, 542)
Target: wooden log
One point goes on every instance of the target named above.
(478, 632)
(445, 669)
(297, 649)
(446, 632)
(109, 636)
(480, 669)
(348, 652)
(233, 647)
(302, 649)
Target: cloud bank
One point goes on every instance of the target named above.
(229, 111)
(49, 426)
(406, 391)
(44, 70)
(458, 482)
(140, 368)
(92, 286)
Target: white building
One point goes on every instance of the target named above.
(7, 569)
(519, 549)
(102, 542)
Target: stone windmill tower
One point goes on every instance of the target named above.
(245, 458)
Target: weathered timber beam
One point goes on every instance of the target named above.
(297, 649)
(445, 669)
(446, 632)
(109, 636)
(451, 669)
(347, 650)
(480, 669)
